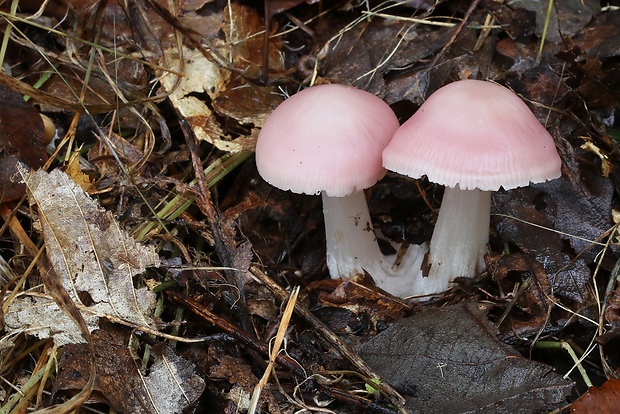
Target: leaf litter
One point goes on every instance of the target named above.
(158, 110)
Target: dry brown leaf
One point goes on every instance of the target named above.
(21, 140)
(205, 87)
(601, 400)
(201, 77)
(449, 360)
(75, 172)
(246, 102)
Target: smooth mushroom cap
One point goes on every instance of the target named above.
(475, 134)
(326, 138)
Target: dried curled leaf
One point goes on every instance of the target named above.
(21, 140)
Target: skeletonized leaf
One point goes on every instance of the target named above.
(172, 382)
(41, 317)
(93, 257)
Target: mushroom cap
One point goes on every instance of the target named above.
(326, 138)
(474, 134)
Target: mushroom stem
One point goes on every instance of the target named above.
(351, 242)
(352, 247)
(460, 237)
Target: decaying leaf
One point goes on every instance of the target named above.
(242, 382)
(534, 300)
(170, 386)
(449, 360)
(41, 317)
(172, 382)
(205, 89)
(363, 54)
(558, 23)
(94, 258)
(350, 305)
(201, 77)
(578, 210)
(246, 102)
(600, 400)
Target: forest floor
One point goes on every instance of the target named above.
(148, 268)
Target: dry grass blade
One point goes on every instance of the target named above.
(277, 343)
(181, 202)
(232, 330)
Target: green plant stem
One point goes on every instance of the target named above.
(215, 172)
(566, 346)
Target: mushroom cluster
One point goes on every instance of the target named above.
(471, 136)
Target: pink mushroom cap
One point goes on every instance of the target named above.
(474, 134)
(326, 138)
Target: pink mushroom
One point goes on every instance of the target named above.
(472, 137)
(329, 139)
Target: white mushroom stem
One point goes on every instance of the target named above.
(351, 242)
(459, 240)
(352, 247)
